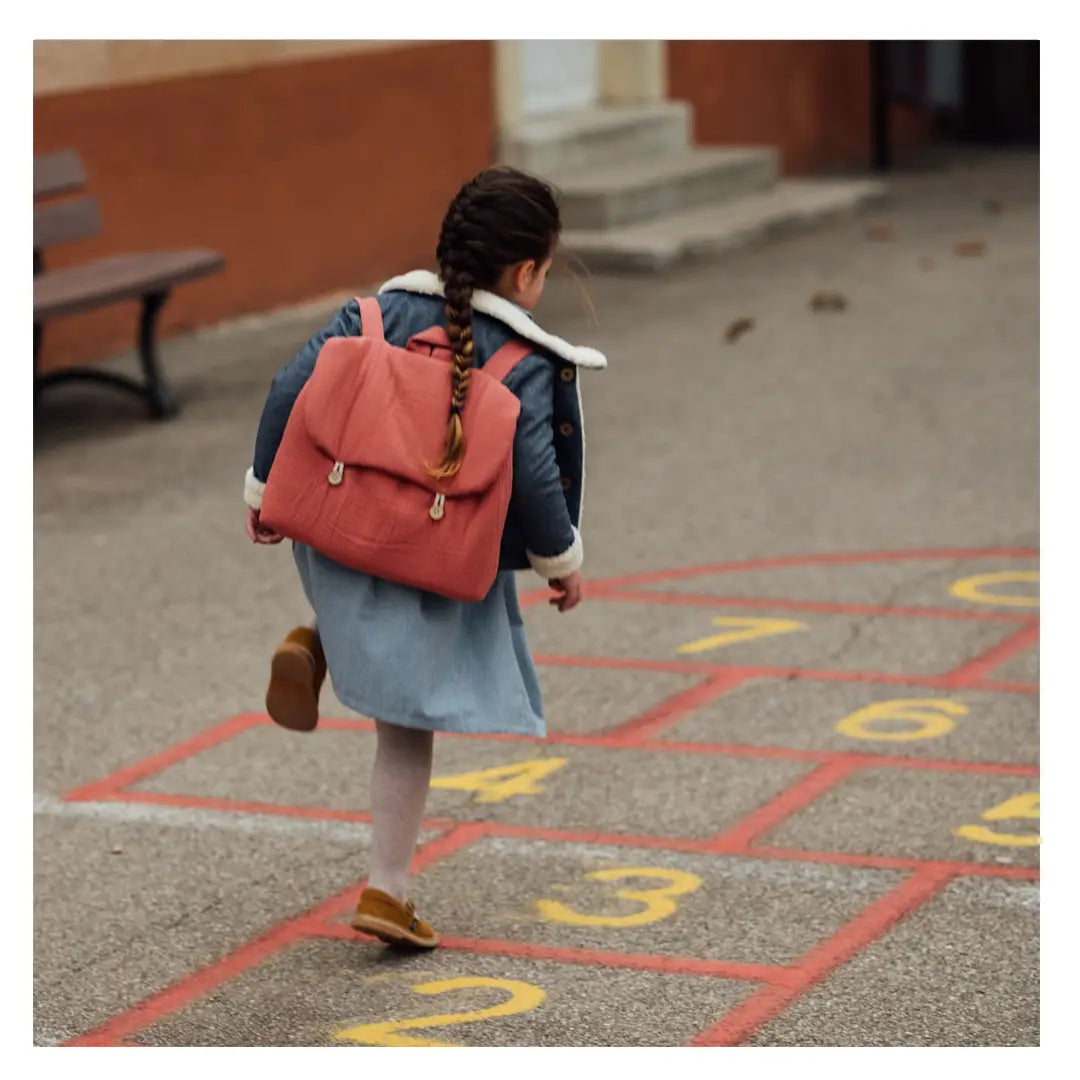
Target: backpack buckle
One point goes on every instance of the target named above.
(438, 508)
(337, 473)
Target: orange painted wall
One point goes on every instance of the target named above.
(809, 98)
(310, 176)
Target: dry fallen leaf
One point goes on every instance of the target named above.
(970, 247)
(828, 300)
(738, 328)
(880, 230)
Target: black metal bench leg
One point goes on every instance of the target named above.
(38, 333)
(162, 403)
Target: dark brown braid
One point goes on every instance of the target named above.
(498, 219)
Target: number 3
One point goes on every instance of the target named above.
(524, 997)
(659, 903)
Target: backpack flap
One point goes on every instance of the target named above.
(369, 404)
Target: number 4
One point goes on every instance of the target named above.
(503, 781)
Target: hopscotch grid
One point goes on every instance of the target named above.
(781, 984)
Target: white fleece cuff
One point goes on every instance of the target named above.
(253, 490)
(550, 567)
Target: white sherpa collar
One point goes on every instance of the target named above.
(428, 284)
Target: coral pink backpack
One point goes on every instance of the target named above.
(349, 478)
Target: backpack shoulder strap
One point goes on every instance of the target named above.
(371, 324)
(507, 358)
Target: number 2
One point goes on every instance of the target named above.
(659, 903)
(524, 997)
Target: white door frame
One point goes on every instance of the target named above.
(630, 72)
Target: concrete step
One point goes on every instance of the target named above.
(567, 142)
(622, 193)
(708, 231)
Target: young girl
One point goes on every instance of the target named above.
(416, 662)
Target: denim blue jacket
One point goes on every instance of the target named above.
(542, 526)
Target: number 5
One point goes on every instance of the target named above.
(1024, 806)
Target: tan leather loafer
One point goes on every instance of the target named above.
(396, 923)
(297, 673)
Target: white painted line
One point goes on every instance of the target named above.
(198, 818)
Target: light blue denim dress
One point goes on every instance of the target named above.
(420, 660)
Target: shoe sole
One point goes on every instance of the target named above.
(290, 697)
(390, 933)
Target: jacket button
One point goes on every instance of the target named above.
(567, 374)
(567, 483)
(566, 428)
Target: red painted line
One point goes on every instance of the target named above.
(670, 712)
(569, 836)
(618, 663)
(671, 965)
(157, 1006)
(871, 923)
(613, 663)
(106, 788)
(249, 955)
(817, 606)
(895, 862)
(787, 753)
(982, 665)
(748, 750)
(450, 843)
(242, 806)
(994, 687)
(863, 930)
(791, 800)
(989, 768)
(531, 597)
(850, 559)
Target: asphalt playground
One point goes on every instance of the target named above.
(789, 795)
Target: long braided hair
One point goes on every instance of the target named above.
(498, 219)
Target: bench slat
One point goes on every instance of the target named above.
(118, 277)
(60, 223)
(58, 174)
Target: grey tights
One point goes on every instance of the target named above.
(399, 787)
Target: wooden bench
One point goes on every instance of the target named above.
(147, 276)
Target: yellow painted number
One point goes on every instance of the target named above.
(503, 781)
(1024, 807)
(933, 717)
(975, 588)
(659, 903)
(740, 628)
(524, 997)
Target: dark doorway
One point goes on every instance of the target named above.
(1000, 93)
